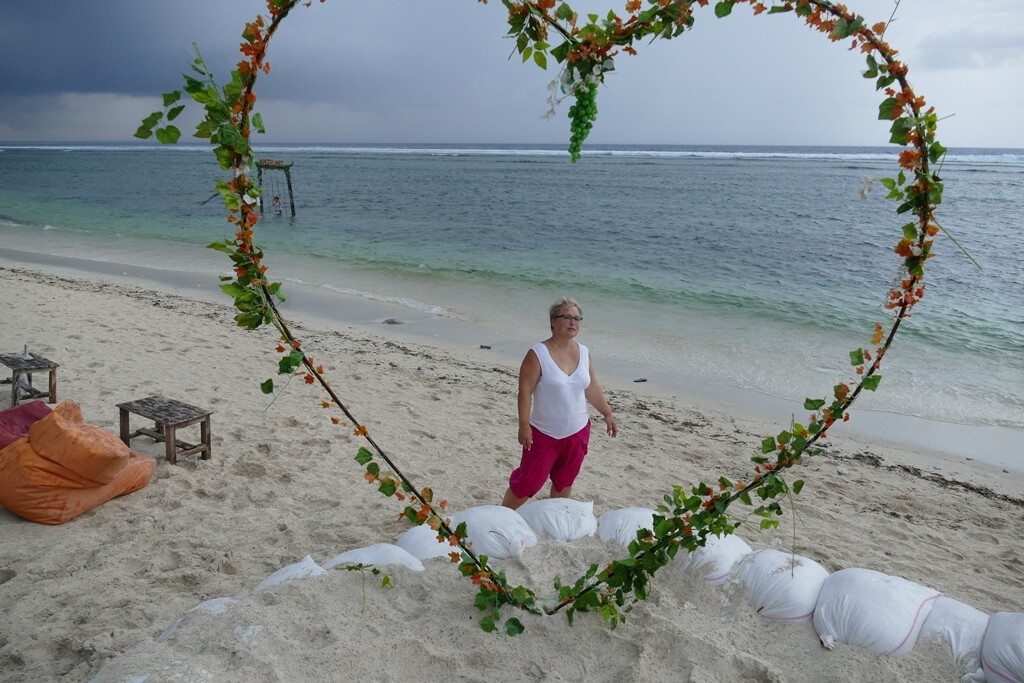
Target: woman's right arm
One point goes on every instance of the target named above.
(529, 375)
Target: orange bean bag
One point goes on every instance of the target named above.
(66, 467)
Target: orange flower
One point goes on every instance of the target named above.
(634, 6)
(455, 557)
(369, 478)
(320, 369)
(309, 378)
(758, 8)
(361, 431)
(325, 404)
(335, 420)
(296, 343)
(279, 349)
(876, 338)
(879, 28)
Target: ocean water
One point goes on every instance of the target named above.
(750, 268)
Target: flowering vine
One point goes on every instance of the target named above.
(586, 50)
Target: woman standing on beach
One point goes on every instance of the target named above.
(556, 380)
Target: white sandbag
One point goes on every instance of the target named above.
(563, 519)
(378, 555)
(300, 570)
(781, 586)
(622, 525)
(215, 606)
(1002, 650)
(958, 625)
(716, 558)
(872, 610)
(421, 542)
(495, 531)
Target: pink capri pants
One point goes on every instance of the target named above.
(560, 459)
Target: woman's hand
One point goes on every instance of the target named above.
(525, 436)
(610, 426)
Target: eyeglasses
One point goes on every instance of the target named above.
(570, 318)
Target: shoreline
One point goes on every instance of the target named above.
(949, 443)
(92, 596)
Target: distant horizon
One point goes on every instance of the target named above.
(554, 146)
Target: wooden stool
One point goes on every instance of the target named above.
(26, 366)
(168, 415)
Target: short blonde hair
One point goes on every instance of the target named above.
(556, 308)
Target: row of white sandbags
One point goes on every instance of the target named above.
(861, 607)
(884, 614)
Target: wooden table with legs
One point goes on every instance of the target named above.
(23, 367)
(169, 416)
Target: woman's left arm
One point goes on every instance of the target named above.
(595, 395)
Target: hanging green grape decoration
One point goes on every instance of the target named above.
(582, 115)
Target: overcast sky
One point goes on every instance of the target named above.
(439, 71)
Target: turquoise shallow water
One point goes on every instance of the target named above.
(756, 268)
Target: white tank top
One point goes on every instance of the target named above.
(559, 405)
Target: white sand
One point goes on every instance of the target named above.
(93, 594)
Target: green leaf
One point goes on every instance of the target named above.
(387, 488)
(561, 52)
(527, 53)
(910, 231)
(267, 387)
(363, 456)
(564, 12)
(487, 624)
(257, 122)
(173, 114)
(143, 133)
(780, 8)
(225, 247)
(935, 152)
(514, 627)
(841, 30)
(857, 357)
(540, 59)
(872, 67)
(373, 468)
(885, 109)
(899, 129)
(168, 135)
(798, 485)
(813, 403)
(768, 444)
(871, 383)
(233, 289)
(723, 9)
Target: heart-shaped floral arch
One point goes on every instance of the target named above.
(586, 52)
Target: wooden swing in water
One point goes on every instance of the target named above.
(274, 165)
